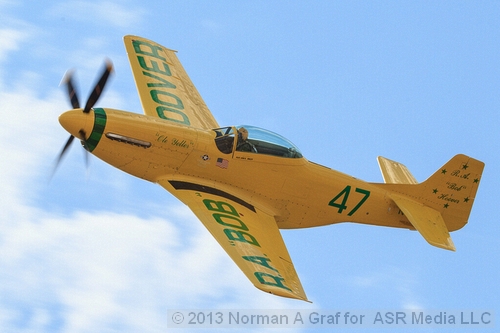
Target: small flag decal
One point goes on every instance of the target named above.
(222, 163)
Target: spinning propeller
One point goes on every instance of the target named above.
(73, 97)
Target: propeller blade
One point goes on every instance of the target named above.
(62, 153)
(84, 143)
(82, 137)
(65, 148)
(73, 96)
(99, 87)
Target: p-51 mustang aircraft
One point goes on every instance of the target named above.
(245, 183)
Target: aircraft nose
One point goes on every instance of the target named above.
(77, 122)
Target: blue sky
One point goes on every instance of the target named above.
(346, 81)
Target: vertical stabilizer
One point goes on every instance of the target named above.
(451, 190)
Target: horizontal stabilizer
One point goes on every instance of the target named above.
(426, 220)
(395, 172)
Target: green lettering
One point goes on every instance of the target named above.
(366, 194)
(260, 261)
(276, 281)
(152, 49)
(218, 218)
(344, 194)
(179, 116)
(220, 206)
(154, 66)
(164, 84)
(340, 200)
(241, 236)
(155, 94)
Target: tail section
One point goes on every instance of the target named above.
(440, 204)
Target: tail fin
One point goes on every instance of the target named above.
(452, 189)
(440, 204)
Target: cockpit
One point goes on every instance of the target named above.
(255, 140)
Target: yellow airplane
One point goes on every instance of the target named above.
(245, 183)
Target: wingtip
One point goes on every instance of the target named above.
(446, 245)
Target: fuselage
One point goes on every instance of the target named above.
(299, 193)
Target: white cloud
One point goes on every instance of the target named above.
(27, 136)
(10, 40)
(98, 268)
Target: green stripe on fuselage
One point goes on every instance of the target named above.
(99, 125)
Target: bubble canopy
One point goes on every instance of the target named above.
(256, 140)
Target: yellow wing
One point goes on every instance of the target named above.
(165, 89)
(249, 235)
